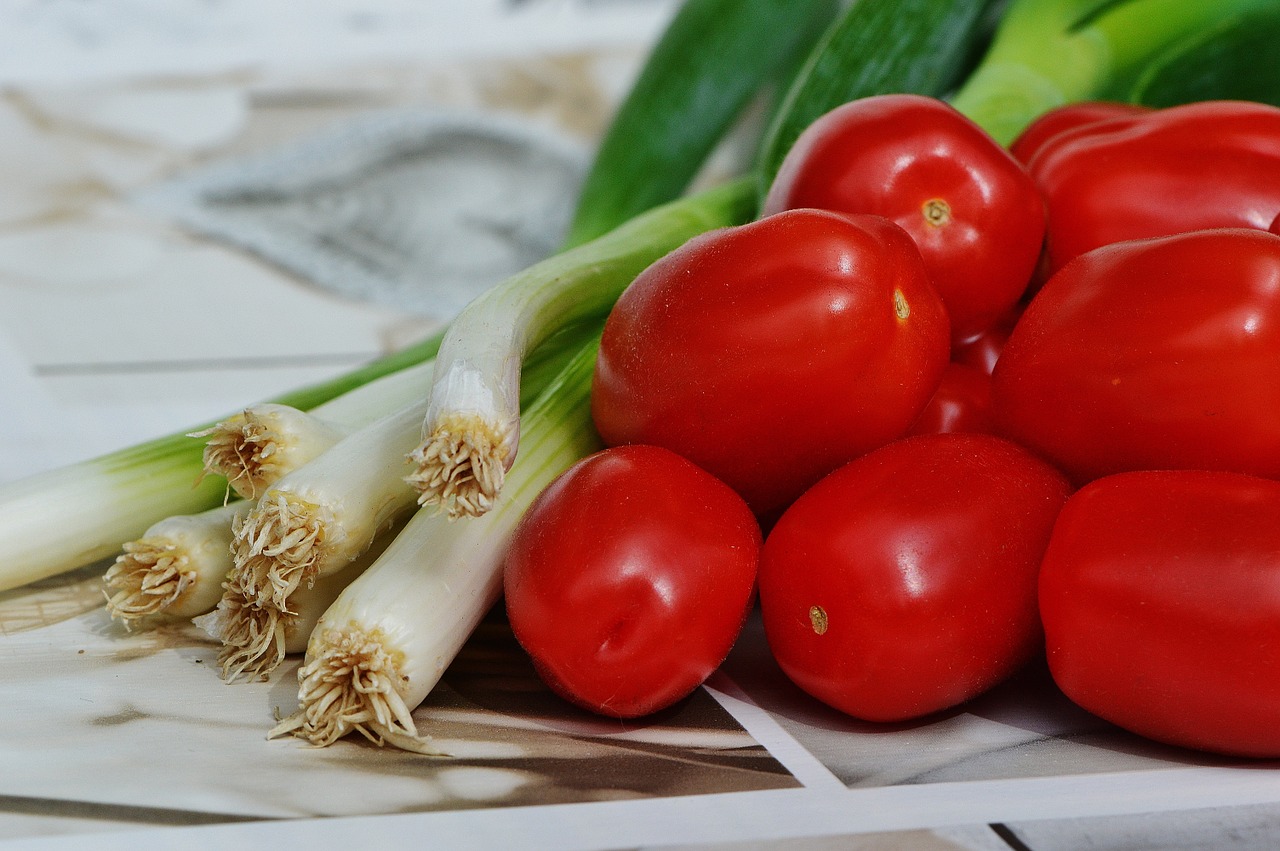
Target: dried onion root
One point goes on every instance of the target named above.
(175, 569)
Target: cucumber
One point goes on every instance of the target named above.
(877, 47)
(712, 59)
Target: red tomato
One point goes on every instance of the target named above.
(771, 353)
(982, 351)
(1275, 226)
(972, 209)
(1151, 354)
(1055, 122)
(905, 582)
(628, 579)
(1213, 164)
(1160, 594)
(962, 402)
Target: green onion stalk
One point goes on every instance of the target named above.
(472, 423)
(72, 516)
(315, 522)
(1047, 53)
(380, 649)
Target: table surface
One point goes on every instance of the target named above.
(132, 306)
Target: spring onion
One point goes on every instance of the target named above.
(116, 497)
(472, 424)
(317, 519)
(386, 641)
(175, 569)
(264, 442)
(255, 639)
(1049, 52)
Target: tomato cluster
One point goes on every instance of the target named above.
(943, 407)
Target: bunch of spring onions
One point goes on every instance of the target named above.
(371, 512)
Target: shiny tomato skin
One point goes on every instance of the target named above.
(1151, 354)
(769, 354)
(905, 582)
(1212, 164)
(983, 350)
(1275, 226)
(962, 402)
(898, 156)
(1055, 122)
(1160, 596)
(628, 579)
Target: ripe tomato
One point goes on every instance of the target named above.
(628, 579)
(1212, 164)
(972, 209)
(769, 354)
(962, 402)
(983, 350)
(1151, 354)
(1054, 123)
(905, 582)
(1161, 607)
(1275, 226)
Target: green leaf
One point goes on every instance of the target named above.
(877, 47)
(1238, 59)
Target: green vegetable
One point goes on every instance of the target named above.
(1236, 58)
(877, 47)
(65, 518)
(713, 58)
(383, 645)
(1050, 52)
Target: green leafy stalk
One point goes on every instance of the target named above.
(712, 59)
(1050, 52)
(1238, 58)
(876, 47)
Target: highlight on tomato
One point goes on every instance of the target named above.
(1151, 354)
(905, 582)
(972, 209)
(1210, 164)
(1159, 598)
(629, 578)
(771, 353)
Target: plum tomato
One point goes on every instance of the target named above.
(983, 350)
(1161, 353)
(1211, 164)
(771, 353)
(1053, 124)
(962, 402)
(628, 579)
(904, 583)
(975, 213)
(1160, 598)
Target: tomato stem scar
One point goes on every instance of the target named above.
(818, 618)
(900, 306)
(936, 212)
